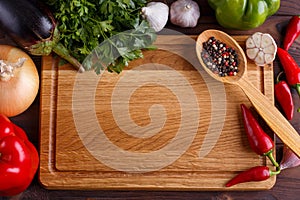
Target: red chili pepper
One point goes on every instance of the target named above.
(259, 173)
(291, 68)
(18, 159)
(260, 142)
(292, 32)
(284, 97)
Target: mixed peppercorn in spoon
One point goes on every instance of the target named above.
(220, 58)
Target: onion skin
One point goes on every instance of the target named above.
(289, 159)
(19, 92)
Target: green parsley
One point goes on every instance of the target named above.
(90, 27)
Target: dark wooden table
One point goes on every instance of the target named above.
(288, 182)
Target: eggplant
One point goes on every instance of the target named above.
(31, 25)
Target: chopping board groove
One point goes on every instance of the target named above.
(148, 111)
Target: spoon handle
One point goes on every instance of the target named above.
(277, 122)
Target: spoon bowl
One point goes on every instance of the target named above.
(277, 122)
(230, 42)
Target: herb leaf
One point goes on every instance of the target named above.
(117, 51)
(89, 26)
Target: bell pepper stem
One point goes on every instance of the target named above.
(269, 154)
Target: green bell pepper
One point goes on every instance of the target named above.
(243, 14)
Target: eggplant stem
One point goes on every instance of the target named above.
(61, 51)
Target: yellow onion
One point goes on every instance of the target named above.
(19, 81)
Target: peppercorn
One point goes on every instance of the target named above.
(220, 58)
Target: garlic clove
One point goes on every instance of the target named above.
(184, 13)
(260, 59)
(257, 39)
(266, 40)
(268, 58)
(250, 43)
(261, 48)
(157, 14)
(252, 53)
(269, 50)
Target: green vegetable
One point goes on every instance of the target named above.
(87, 26)
(120, 49)
(243, 14)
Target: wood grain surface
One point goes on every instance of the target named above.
(275, 120)
(288, 182)
(198, 145)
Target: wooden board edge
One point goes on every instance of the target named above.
(48, 170)
(46, 120)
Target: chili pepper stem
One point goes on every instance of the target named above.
(270, 156)
(298, 90)
(297, 86)
(278, 76)
(272, 173)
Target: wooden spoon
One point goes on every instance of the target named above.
(277, 122)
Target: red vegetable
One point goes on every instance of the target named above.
(291, 68)
(259, 173)
(284, 97)
(292, 32)
(260, 142)
(18, 159)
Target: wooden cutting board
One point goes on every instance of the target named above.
(160, 124)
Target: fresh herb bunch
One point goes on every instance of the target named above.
(85, 24)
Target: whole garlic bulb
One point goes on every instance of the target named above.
(156, 13)
(261, 48)
(184, 13)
